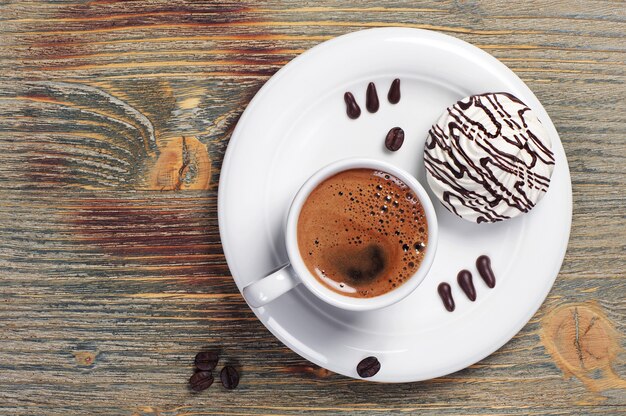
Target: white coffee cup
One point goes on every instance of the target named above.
(295, 272)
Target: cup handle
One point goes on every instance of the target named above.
(270, 287)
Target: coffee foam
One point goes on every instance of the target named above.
(362, 232)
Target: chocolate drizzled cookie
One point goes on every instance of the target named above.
(489, 158)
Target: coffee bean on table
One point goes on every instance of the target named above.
(229, 377)
(201, 380)
(394, 139)
(206, 360)
(368, 367)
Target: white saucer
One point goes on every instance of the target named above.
(297, 123)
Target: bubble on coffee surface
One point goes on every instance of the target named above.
(360, 234)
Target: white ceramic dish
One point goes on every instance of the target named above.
(297, 123)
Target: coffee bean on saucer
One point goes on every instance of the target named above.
(206, 360)
(201, 380)
(229, 377)
(394, 139)
(368, 367)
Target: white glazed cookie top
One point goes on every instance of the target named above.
(489, 158)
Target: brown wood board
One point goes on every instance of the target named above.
(114, 119)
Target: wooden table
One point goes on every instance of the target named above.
(114, 121)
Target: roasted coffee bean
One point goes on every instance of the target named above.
(394, 92)
(352, 108)
(206, 360)
(394, 139)
(368, 367)
(229, 377)
(201, 380)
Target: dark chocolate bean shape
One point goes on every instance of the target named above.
(464, 278)
(483, 264)
(352, 108)
(371, 98)
(445, 292)
(368, 367)
(394, 139)
(201, 380)
(394, 92)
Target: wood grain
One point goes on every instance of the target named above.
(114, 118)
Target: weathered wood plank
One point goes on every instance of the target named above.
(114, 118)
